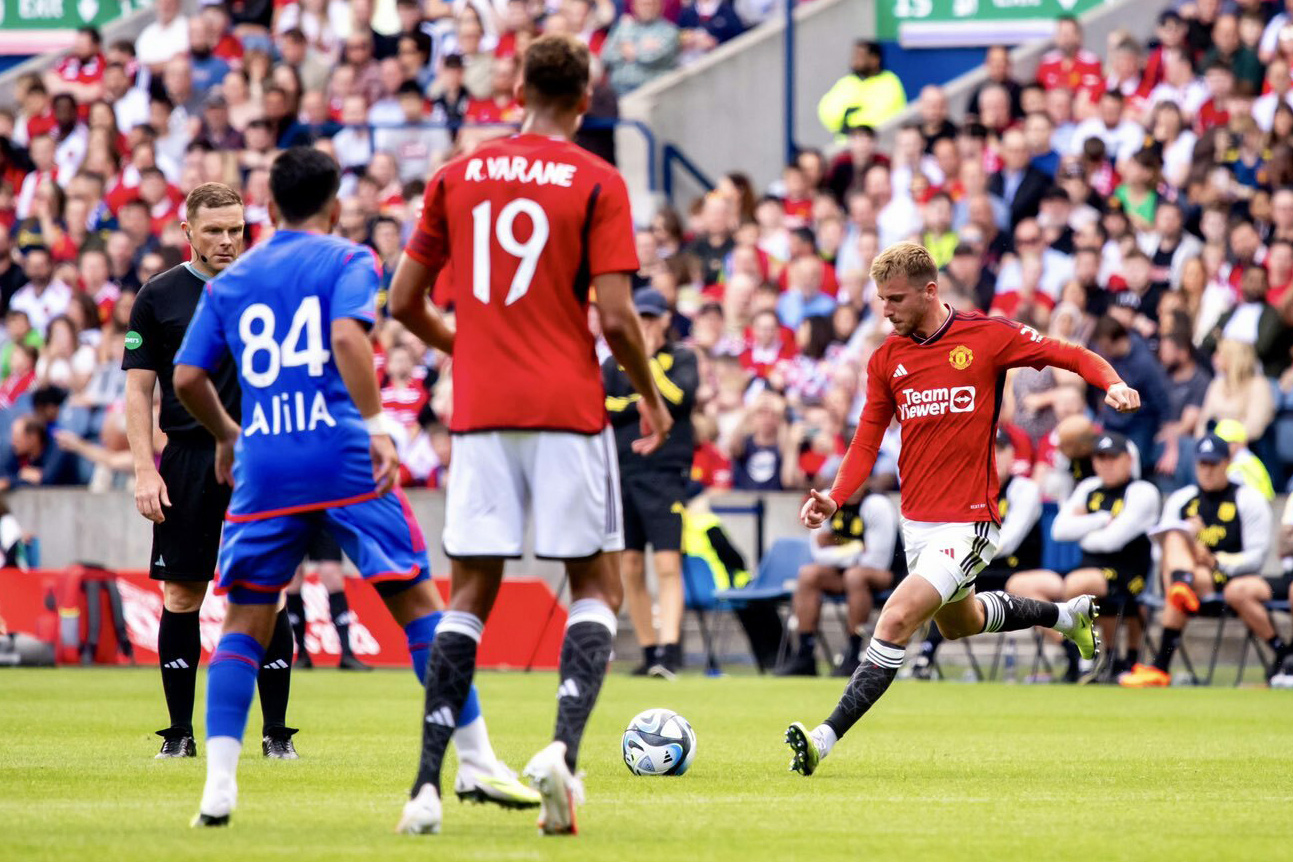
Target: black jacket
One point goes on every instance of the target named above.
(677, 376)
(1027, 198)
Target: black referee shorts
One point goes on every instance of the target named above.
(653, 504)
(187, 544)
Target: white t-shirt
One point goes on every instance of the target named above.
(160, 42)
(41, 309)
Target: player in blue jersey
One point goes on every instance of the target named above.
(311, 450)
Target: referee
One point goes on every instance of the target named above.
(181, 496)
(654, 487)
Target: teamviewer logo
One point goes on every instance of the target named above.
(962, 399)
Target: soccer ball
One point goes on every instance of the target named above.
(658, 742)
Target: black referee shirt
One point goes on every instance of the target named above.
(158, 321)
(677, 376)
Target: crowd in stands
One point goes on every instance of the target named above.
(1142, 205)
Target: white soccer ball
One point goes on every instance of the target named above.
(658, 742)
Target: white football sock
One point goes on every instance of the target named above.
(220, 792)
(474, 749)
(825, 739)
(1065, 622)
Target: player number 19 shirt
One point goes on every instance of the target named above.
(945, 391)
(524, 224)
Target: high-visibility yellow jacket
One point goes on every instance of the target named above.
(855, 101)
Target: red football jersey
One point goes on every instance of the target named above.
(1082, 73)
(528, 221)
(946, 392)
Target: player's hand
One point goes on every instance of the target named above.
(151, 496)
(655, 425)
(224, 453)
(1122, 398)
(817, 509)
(386, 462)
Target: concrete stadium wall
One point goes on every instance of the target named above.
(725, 111)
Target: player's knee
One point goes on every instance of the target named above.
(1240, 591)
(896, 624)
(183, 597)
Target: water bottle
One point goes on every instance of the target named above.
(1008, 661)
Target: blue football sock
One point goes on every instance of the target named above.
(231, 682)
(420, 633)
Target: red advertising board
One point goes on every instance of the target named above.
(525, 628)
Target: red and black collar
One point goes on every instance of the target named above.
(938, 333)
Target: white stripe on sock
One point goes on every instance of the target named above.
(592, 611)
(885, 655)
(463, 623)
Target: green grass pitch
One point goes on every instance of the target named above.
(937, 771)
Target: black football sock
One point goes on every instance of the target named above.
(1133, 657)
(1183, 576)
(1004, 612)
(855, 648)
(650, 655)
(179, 649)
(296, 617)
(932, 642)
(807, 643)
(340, 610)
(867, 685)
(275, 678)
(450, 668)
(1072, 653)
(1166, 648)
(590, 636)
(1277, 645)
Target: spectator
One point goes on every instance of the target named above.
(997, 64)
(311, 66)
(34, 460)
(1187, 384)
(1019, 183)
(868, 96)
(1245, 467)
(1121, 137)
(714, 242)
(705, 24)
(1070, 66)
(641, 47)
(1278, 84)
(1227, 48)
(1137, 366)
(757, 453)
(1254, 322)
(1238, 391)
(80, 73)
(165, 38)
(43, 297)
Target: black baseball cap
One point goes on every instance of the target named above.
(1111, 443)
(1170, 15)
(1211, 449)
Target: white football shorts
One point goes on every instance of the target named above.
(949, 555)
(567, 484)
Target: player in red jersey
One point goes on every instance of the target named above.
(527, 226)
(941, 373)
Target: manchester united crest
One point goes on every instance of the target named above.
(961, 357)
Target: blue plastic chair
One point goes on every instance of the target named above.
(699, 597)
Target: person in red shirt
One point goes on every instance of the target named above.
(1070, 66)
(530, 224)
(501, 106)
(940, 374)
(403, 396)
(80, 73)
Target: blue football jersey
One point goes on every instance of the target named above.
(303, 444)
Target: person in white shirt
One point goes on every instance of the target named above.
(1277, 78)
(163, 39)
(129, 103)
(43, 297)
(1268, 47)
(1180, 85)
(897, 218)
(1122, 138)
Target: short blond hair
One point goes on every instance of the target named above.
(907, 259)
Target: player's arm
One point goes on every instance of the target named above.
(415, 274)
(150, 490)
(1072, 522)
(1139, 511)
(1027, 346)
(862, 452)
(203, 348)
(1255, 516)
(622, 330)
(353, 352)
(1025, 510)
(141, 382)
